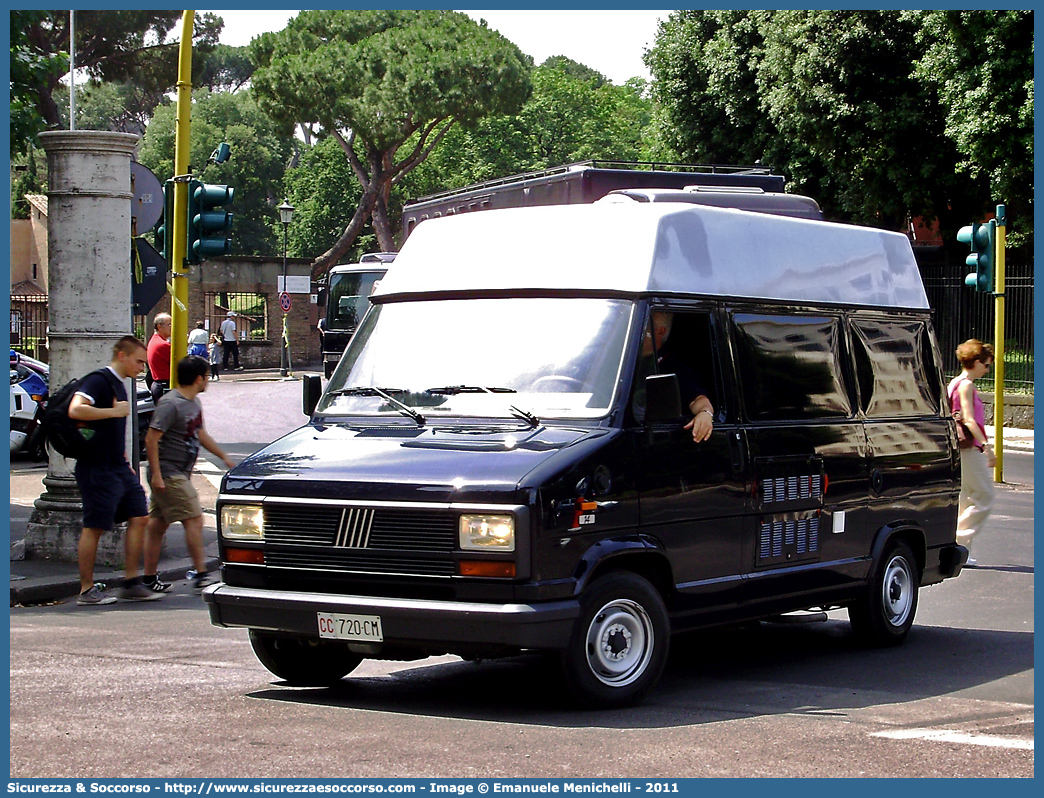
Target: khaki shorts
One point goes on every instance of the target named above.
(177, 502)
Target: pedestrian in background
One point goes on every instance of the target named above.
(197, 341)
(172, 443)
(215, 357)
(109, 486)
(976, 499)
(229, 341)
(159, 356)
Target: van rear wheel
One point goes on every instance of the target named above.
(886, 614)
(619, 644)
(303, 663)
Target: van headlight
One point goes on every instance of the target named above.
(243, 522)
(487, 532)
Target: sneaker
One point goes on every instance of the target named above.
(137, 592)
(94, 598)
(156, 586)
(205, 579)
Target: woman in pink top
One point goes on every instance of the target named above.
(976, 499)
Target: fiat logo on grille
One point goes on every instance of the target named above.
(354, 529)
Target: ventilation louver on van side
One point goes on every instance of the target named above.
(784, 539)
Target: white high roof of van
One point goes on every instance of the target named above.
(655, 248)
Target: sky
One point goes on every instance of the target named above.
(611, 42)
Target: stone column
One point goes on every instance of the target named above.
(89, 291)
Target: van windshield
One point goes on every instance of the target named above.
(545, 357)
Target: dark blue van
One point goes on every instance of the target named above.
(505, 460)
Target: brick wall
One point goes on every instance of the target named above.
(260, 275)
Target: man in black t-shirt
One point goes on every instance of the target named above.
(108, 485)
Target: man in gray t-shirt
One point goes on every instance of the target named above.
(175, 434)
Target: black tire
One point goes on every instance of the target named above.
(886, 614)
(619, 644)
(303, 663)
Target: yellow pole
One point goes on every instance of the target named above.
(179, 272)
(998, 348)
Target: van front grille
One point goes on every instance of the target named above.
(363, 539)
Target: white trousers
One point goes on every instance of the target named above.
(976, 499)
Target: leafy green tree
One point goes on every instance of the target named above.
(111, 46)
(260, 151)
(224, 68)
(31, 67)
(573, 114)
(828, 98)
(387, 86)
(324, 192)
(981, 64)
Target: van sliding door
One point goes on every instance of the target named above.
(807, 521)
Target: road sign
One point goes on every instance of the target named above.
(147, 206)
(284, 302)
(148, 277)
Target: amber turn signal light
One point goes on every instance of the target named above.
(248, 556)
(485, 568)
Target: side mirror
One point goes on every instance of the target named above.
(312, 389)
(662, 398)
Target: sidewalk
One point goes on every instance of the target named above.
(34, 581)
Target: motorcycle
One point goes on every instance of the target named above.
(29, 391)
(29, 388)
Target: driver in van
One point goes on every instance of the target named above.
(702, 423)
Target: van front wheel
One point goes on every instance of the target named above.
(303, 663)
(885, 615)
(619, 644)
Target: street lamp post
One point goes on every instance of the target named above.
(286, 213)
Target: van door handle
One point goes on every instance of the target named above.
(739, 455)
(877, 480)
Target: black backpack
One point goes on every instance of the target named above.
(69, 437)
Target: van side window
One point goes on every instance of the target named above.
(689, 352)
(684, 347)
(902, 381)
(790, 367)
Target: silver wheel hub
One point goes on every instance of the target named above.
(897, 587)
(619, 642)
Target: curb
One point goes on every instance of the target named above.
(40, 589)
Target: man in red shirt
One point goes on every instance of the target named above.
(159, 356)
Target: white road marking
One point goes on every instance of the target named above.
(962, 738)
(212, 472)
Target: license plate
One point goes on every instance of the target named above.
(362, 628)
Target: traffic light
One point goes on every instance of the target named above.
(165, 231)
(982, 238)
(207, 221)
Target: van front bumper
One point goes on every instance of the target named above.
(407, 621)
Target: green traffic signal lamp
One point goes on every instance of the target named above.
(165, 230)
(982, 239)
(207, 221)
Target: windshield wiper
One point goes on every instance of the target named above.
(385, 394)
(524, 415)
(453, 390)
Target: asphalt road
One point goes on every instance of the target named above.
(155, 690)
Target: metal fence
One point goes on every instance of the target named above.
(961, 313)
(251, 312)
(29, 325)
